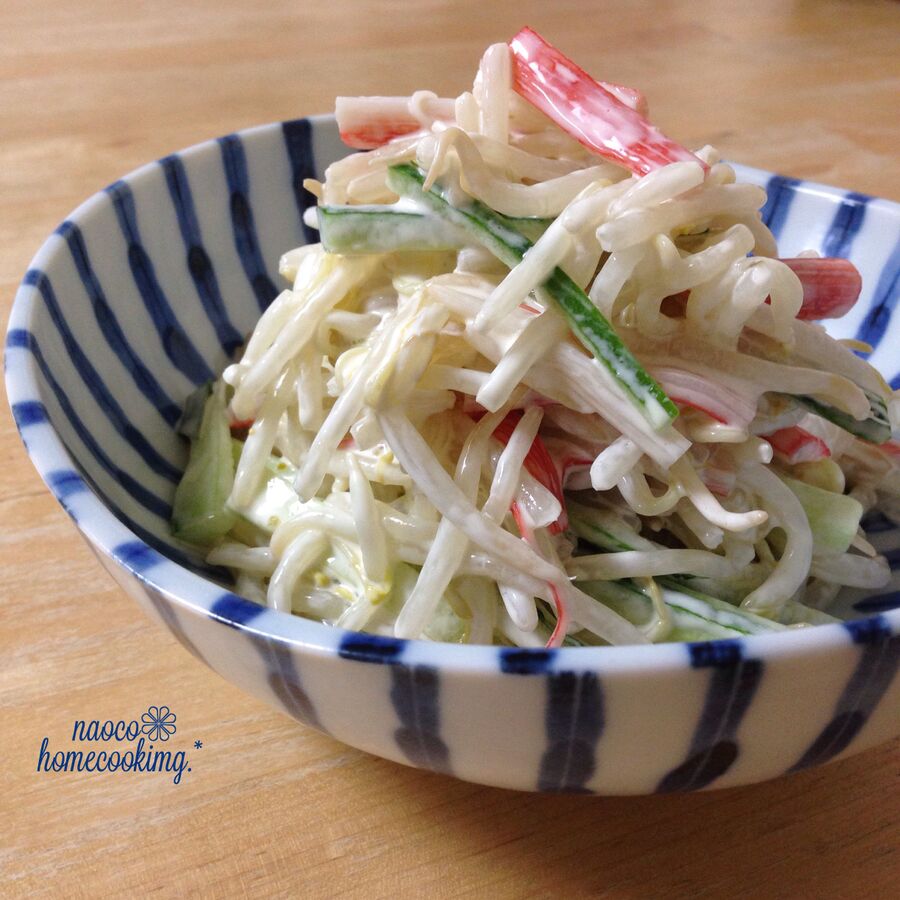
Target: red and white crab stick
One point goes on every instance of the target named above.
(366, 123)
(797, 445)
(589, 111)
(830, 286)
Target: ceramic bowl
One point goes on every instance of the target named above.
(142, 294)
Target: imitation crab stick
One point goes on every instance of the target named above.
(587, 110)
(369, 122)
(540, 465)
(831, 286)
(366, 123)
(796, 445)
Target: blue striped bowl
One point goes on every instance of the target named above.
(143, 293)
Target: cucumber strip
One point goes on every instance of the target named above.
(199, 513)
(695, 616)
(793, 613)
(531, 226)
(509, 245)
(604, 530)
(876, 428)
(353, 230)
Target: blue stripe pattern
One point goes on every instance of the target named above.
(370, 648)
(28, 412)
(415, 694)
(277, 656)
(780, 191)
(32, 412)
(112, 331)
(884, 300)
(245, 240)
(62, 482)
(878, 603)
(235, 611)
(177, 345)
(892, 557)
(714, 748)
(163, 606)
(157, 548)
(877, 666)
(518, 661)
(65, 483)
(284, 680)
(137, 557)
(95, 384)
(198, 262)
(298, 143)
(161, 546)
(140, 558)
(847, 222)
(132, 486)
(573, 721)
(876, 522)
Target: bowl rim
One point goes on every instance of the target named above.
(105, 532)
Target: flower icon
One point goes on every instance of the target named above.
(159, 723)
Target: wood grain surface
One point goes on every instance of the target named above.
(91, 89)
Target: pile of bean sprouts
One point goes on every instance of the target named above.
(389, 405)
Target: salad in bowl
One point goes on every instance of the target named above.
(544, 380)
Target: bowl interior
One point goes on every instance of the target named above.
(143, 293)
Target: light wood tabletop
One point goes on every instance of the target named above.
(92, 89)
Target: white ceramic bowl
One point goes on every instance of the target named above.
(142, 294)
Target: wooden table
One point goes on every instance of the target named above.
(89, 90)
